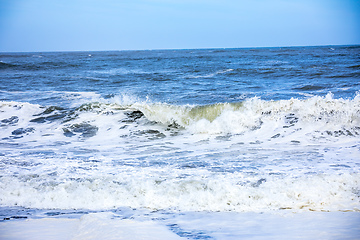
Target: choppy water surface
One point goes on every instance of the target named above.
(229, 130)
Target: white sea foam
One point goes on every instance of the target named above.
(251, 156)
(197, 193)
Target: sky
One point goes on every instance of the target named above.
(97, 25)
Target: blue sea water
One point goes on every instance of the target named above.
(172, 134)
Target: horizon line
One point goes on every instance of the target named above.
(179, 49)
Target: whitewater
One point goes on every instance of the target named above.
(193, 144)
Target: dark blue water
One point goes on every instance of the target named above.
(186, 76)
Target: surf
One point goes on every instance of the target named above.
(315, 115)
(319, 113)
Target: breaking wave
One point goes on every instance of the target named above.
(324, 115)
(234, 118)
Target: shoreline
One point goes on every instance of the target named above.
(190, 225)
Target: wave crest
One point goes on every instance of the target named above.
(317, 115)
(320, 112)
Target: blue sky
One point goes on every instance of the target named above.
(81, 25)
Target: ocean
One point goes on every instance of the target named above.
(255, 143)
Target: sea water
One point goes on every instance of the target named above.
(197, 144)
